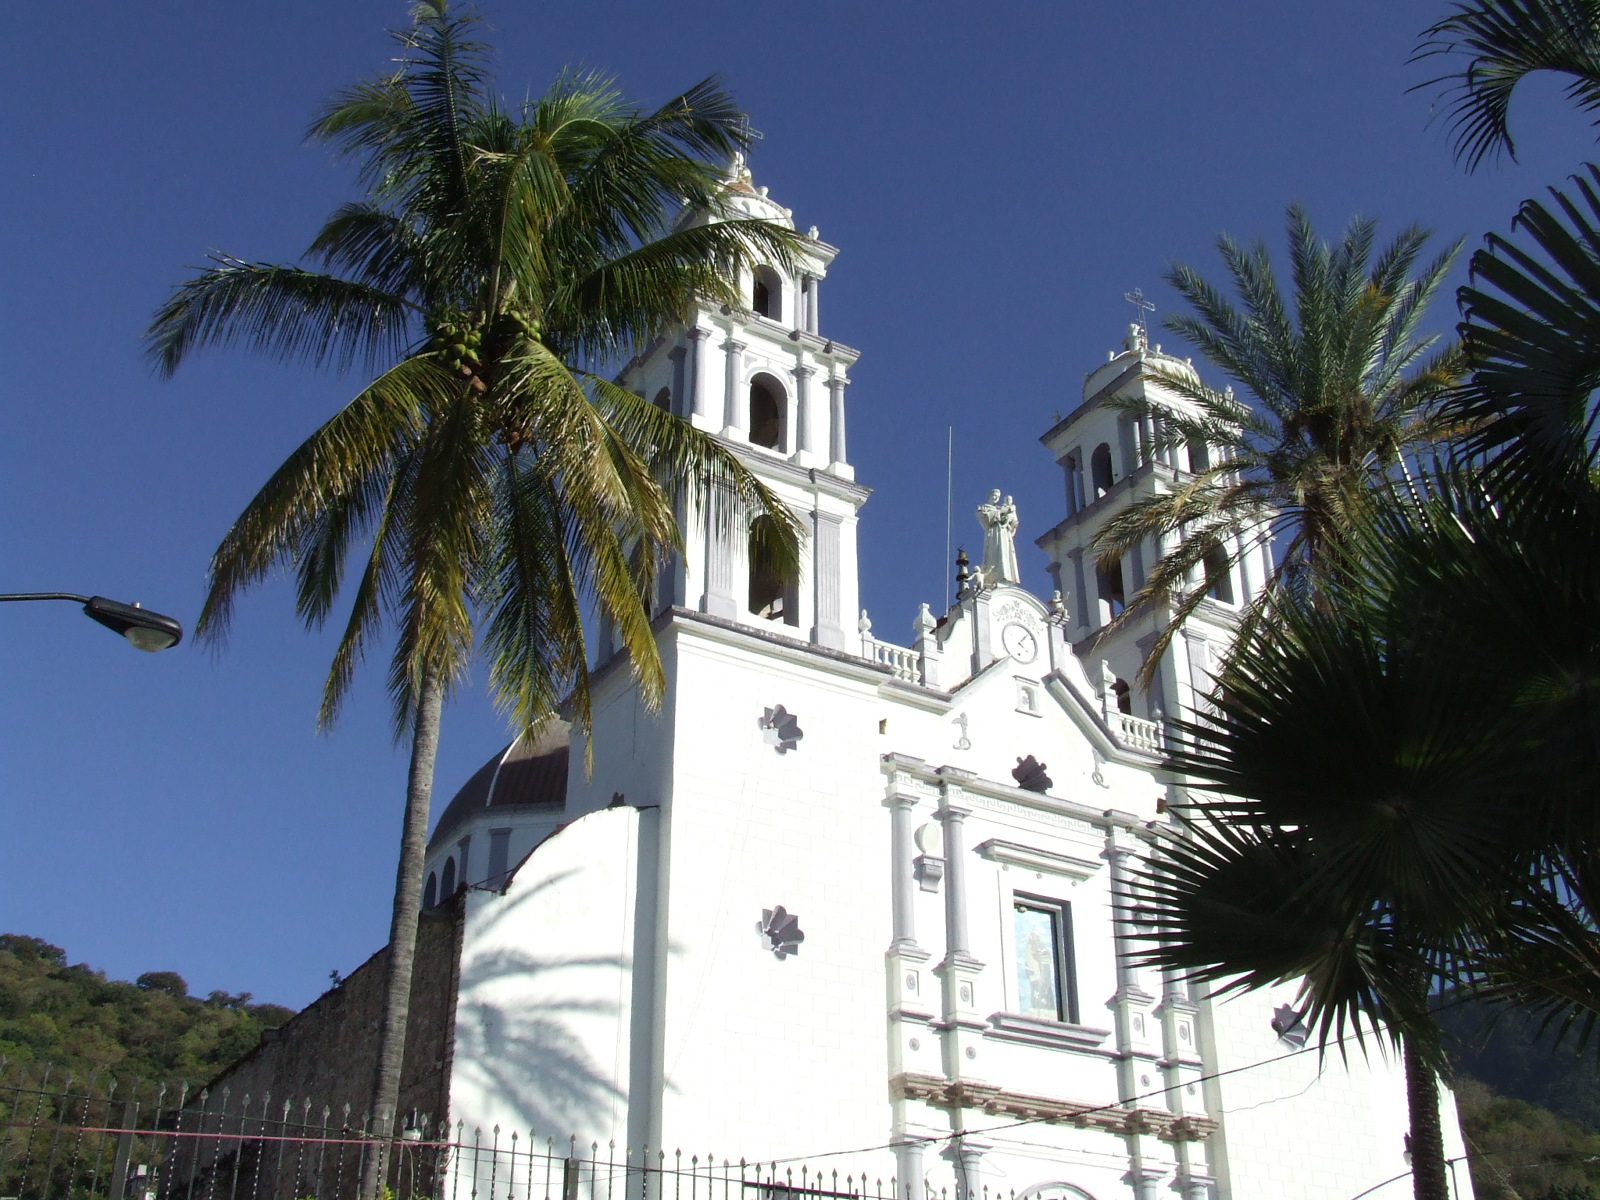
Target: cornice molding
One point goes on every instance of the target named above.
(1052, 1110)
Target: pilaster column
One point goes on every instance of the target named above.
(967, 1155)
(734, 419)
(908, 1167)
(718, 596)
(903, 851)
(813, 286)
(836, 442)
(952, 816)
(827, 563)
(1080, 603)
(677, 407)
(802, 413)
(699, 372)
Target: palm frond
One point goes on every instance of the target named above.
(286, 312)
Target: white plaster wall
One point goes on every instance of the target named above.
(1306, 1125)
(544, 1009)
(766, 1058)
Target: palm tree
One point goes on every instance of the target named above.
(1343, 390)
(1502, 43)
(497, 479)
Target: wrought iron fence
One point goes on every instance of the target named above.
(103, 1138)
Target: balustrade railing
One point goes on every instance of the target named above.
(1137, 733)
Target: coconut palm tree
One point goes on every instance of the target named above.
(1498, 44)
(1340, 386)
(490, 480)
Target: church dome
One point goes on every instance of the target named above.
(530, 773)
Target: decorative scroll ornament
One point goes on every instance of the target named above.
(781, 928)
(1030, 776)
(782, 729)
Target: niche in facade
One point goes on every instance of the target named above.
(1100, 470)
(430, 893)
(766, 412)
(1199, 456)
(663, 400)
(1123, 695)
(447, 885)
(766, 296)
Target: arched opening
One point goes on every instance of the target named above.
(663, 400)
(1199, 456)
(1100, 469)
(766, 412)
(766, 296)
(1113, 594)
(430, 892)
(1219, 575)
(1124, 696)
(774, 594)
(447, 885)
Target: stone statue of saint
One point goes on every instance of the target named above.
(999, 520)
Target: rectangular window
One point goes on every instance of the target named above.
(1045, 987)
(499, 856)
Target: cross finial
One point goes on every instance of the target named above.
(1140, 306)
(747, 132)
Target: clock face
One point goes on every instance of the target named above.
(1019, 643)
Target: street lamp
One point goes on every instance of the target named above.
(148, 631)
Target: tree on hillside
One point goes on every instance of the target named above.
(1340, 388)
(1492, 46)
(503, 259)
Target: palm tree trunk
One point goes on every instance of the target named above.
(1428, 1170)
(403, 933)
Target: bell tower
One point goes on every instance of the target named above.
(1110, 459)
(765, 381)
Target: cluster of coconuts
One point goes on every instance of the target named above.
(458, 341)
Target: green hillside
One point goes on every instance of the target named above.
(81, 1022)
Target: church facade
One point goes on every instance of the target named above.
(848, 899)
(846, 895)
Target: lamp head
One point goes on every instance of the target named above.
(146, 630)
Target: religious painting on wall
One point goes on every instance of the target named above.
(1038, 944)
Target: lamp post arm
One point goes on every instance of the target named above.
(44, 596)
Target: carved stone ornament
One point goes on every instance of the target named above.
(1030, 776)
(781, 928)
(782, 729)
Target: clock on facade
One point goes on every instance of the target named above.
(1019, 643)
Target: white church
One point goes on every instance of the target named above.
(849, 901)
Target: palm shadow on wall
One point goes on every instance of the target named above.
(534, 1072)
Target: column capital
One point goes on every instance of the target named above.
(699, 333)
(801, 371)
(735, 344)
(676, 353)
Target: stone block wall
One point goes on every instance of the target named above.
(327, 1053)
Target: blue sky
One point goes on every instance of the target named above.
(996, 176)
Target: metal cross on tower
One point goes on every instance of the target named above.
(1140, 307)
